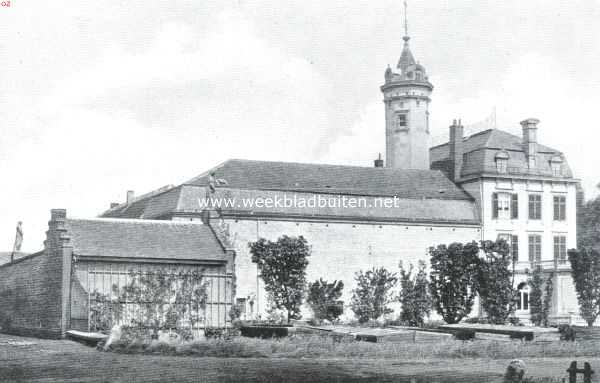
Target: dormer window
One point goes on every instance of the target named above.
(502, 162)
(419, 76)
(556, 166)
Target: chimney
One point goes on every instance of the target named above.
(530, 139)
(456, 149)
(378, 162)
(130, 196)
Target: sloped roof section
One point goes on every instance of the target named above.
(144, 240)
(152, 205)
(335, 179)
(480, 149)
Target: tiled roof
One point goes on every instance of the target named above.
(480, 152)
(144, 239)
(165, 197)
(336, 179)
(490, 139)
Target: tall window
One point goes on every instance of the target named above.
(535, 206)
(560, 208)
(560, 249)
(535, 248)
(505, 206)
(513, 243)
(514, 247)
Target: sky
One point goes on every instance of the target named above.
(101, 97)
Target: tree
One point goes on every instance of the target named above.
(585, 270)
(547, 302)
(323, 298)
(372, 295)
(453, 279)
(496, 280)
(536, 302)
(588, 223)
(282, 266)
(414, 296)
(166, 300)
(540, 296)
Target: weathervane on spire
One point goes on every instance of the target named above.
(405, 20)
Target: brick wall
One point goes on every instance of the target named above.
(30, 294)
(31, 288)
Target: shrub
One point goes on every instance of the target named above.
(453, 279)
(323, 298)
(414, 295)
(372, 294)
(235, 312)
(567, 332)
(104, 312)
(282, 266)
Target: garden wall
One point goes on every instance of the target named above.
(30, 296)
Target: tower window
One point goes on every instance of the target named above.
(419, 76)
(401, 120)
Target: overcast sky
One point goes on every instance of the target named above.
(97, 97)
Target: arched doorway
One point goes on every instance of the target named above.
(523, 298)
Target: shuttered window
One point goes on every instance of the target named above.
(514, 206)
(505, 206)
(495, 205)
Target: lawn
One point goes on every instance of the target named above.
(310, 359)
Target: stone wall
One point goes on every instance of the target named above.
(340, 249)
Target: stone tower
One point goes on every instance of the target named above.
(406, 96)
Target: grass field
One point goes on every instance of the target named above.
(291, 360)
(313, 346)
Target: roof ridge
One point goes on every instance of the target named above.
(313, 164)
(135, 220)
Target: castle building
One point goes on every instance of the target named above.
(485, 186)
